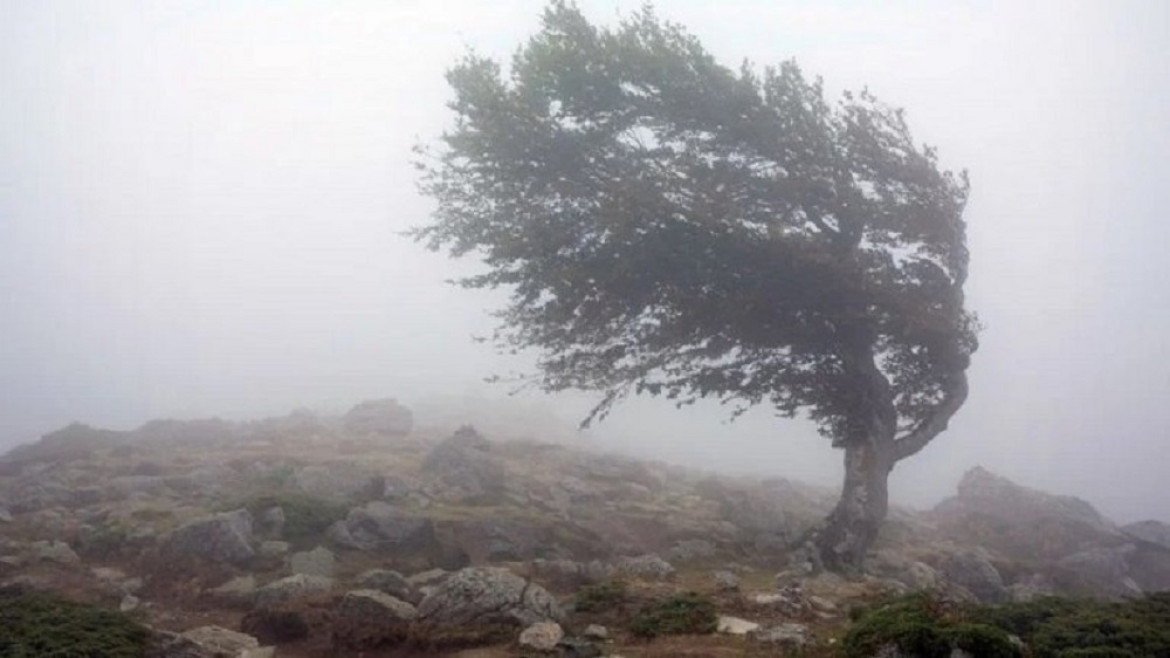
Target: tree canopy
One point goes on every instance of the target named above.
(671, 226)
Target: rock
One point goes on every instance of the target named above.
(55, 551)
(429, 578)
(223, 537)
(165, 644)
(221, 641)
(789, 600)
(572, 647)
(271, 522)
(1152, 531)
(292, 587)
(915, 575)
(478, 595)
(1027, 524)
(650, 567)
(542, 636)
(5, 515)
(461, 469)
(383, 417)
(792, 635)
(317, 562)
(371, 605)
(735, 625)
(237, 590)
(273, 549)
(496, 539)
(129, 603)
(690, 549)
(596, 632)
(380, 527)
(1098, 572)
(725, 581)
(572, 574)
(389, 582)
(975, 573)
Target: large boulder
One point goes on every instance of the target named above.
(225, 537)
(381, 527)
(288, 589)
(974, 572)
(488, 595)
(1154, 532)
(382, 417)
(1102, 572)
(461, 469)
(1026, 524)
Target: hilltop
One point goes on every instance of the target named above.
(308, 535)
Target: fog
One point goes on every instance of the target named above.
(201, 208)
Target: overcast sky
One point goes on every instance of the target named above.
(200, 208)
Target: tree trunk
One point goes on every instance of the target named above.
(850, 530)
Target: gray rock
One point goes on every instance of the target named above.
(690, 549)
(271, 522)
(223, 537)
(389, 582)
(972, 571)
(237, 590)
(650, 567)
(383, 417)
(462, 469)
(317, 562)
(1151, 531)
(1098, 572)
(292, 587)
(5, 515)
(542, 636)
(484, 595)
(274, 549)
(570, 573)
(790, 634)
(338, 481)
(128, 603)
(429, 578)
(380, 527)
(221, 641)
(372, 605)
(735, 625)
(496, 539)
(596, 632)
(55, 551)
(725, 581)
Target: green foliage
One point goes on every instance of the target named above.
(602, 596)
(1050, 628)
(671, 226)
(921, 626)
(306, 518)
(44, 626)
(1073, 628)
(687, 613)
(103, 541)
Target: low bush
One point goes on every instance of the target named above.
(306, 518)
(40, 625)
(601, 597)
(920, 625)
(684, 614)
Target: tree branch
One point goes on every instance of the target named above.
(936, 423)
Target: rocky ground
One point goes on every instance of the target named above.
(363, 535)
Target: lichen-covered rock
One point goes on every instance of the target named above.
(789, 634)
(650, 567)
(542, 636)
(292, 587)
(225, 537)
(55, 551)
(317, 562)
(478, 595)
(1152, 531)
(221, 641)
(389, 582)
(1098, 572)
(381, 527)
(461, 469)
(369, 605)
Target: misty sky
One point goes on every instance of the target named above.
(201, 206)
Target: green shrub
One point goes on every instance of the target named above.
(602, 596)
(306, 518)
(687, 613)
(921, 626)
(42, 625)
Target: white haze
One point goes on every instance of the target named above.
(201, 206)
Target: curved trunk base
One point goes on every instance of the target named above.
(842, 542)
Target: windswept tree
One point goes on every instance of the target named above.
(669, 226)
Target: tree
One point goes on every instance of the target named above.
(669, 226)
